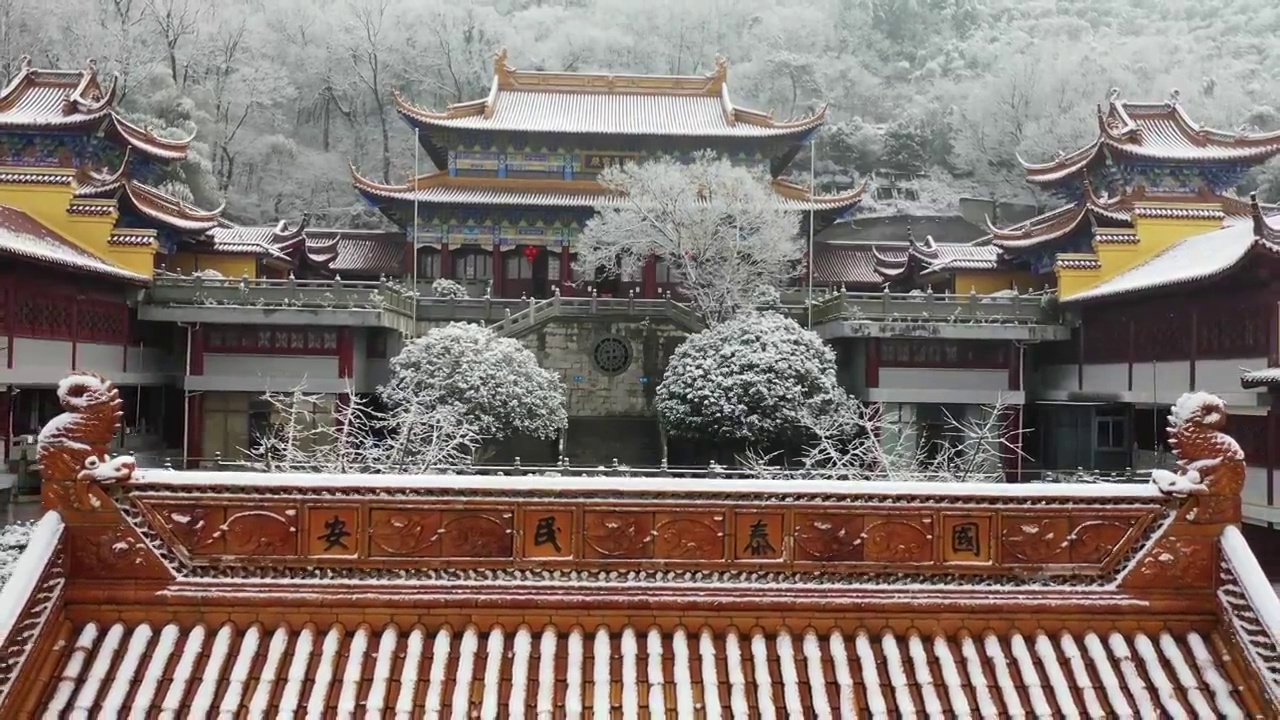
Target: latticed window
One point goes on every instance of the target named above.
(272, 341)
(472, 265)
(101, 322)
(44, 316)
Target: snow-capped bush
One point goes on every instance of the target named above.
(495, 382)
(13, 540)
(756, 378)
(766, 298)
(210, 274)
(446, 288)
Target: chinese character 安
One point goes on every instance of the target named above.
(335, 531)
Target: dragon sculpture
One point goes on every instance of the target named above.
(73, 447)
(1210, 462)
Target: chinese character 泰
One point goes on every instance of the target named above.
(546, 533)
(964, 538)
(335, 531)
(758, 542)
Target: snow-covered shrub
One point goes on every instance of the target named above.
(13, 540)
(756, 378)
(210, 274)
(495, 382)
(766, 298)
(446, 288)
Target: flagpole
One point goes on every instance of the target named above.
(813, 152)
(417, 146)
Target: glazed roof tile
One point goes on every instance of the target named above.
(361, 252)
(599, 103)
(443, 189)
(523, 671)
(61, 99)
(849, 264)
(23, 236)
(1159, 131)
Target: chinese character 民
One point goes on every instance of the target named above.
(758, 542)
(964, 538)
(335, 531)
(546, 533)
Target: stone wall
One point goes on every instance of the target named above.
(568, 346)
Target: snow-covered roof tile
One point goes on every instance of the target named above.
(1260, 378)
(611, 104)
(363, 252)
(852, 671)
(25, 237)
(1154, 131)
(1198, 257)
(443, 189)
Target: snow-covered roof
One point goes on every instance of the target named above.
(608, 104)
(442, 189)
(1154, 131)
(25, 237)
(1260, 378)
(363, 252)
(37, 99)
(512, 670)
(1252, 607)
(148, 201)
(1193, 259)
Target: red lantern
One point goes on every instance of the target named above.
(531, 252)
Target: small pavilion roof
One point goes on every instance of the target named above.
(37, 99)
(1154, 131)
(609, 104)
(149, 201)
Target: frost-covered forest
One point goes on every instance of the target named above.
(283, 93)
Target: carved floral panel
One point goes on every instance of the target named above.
(829, 537)
(689, 536)
(1034, 539)
(1093, 539)
(261, 531)
(617, 535)
(477, 534)
(112, 553)
(1174, 563)
(404, 532)
(899, 539)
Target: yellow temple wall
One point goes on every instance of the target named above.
(49, 203)
(988, 282)
(1155, 235)
(232, 266)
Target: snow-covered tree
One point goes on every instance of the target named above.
(755, 379)
(859, 442)
(310, 434)
(446, 288)
(719, 227)
(494, 382)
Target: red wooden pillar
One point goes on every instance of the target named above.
(1191, 351)
(346, 353)
(446, 261)
(566, 270)
(649, 278)
(410, 259)
(195, 401)
(1272, 459)
(6, 421)
(498, 269)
